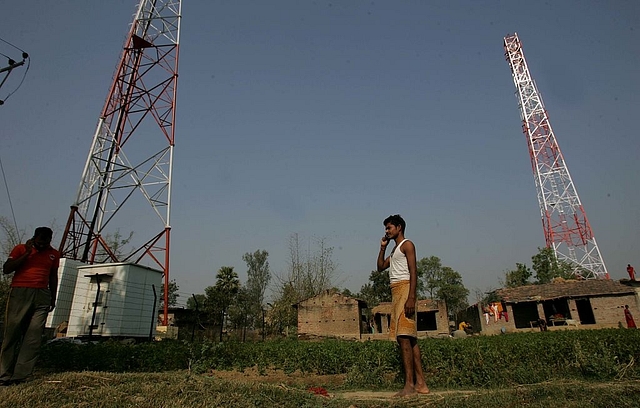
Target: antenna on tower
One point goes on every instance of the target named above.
(564, 221)
(126, 181)
(11, 65)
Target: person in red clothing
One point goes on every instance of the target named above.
(631, 324)
(31, 297)
(631, 272)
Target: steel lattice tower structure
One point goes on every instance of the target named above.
(126, 181)
(565, 224)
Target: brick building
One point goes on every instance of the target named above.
(566, 304)
(331, 314)
(431, 314)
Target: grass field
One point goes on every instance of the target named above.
(590, 368)
(247, 389)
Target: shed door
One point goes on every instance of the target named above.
(585, 312)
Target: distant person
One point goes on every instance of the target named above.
(485, 313)
(404, 278)
(631, 272)
(631, 324)
(465, 327)
(542, 324)
(31, 297)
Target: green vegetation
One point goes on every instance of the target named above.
(475, 362)
(435, 281)
(142, 390)
(546, 266)
(550, 369)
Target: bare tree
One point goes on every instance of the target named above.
(116, 243)
(11, 237)
(309, 273)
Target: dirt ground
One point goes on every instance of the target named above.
(298, 379)
(332, 383)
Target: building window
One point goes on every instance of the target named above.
(427, 321)
(555, 309)
(524, 314)
(585, 311)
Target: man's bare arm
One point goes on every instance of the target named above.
(410, 253)
(383, 263)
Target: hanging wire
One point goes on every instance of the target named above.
(7, 42)
(15, 223)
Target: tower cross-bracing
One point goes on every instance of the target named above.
(564, 221)
(126, 181)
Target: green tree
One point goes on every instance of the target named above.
(197, 303)
(451, 289)
(282, 316)
(346, 292)
(547, 266)
(258, 278)
(173, 294)
(429, 276)
(220, 296)
(442, 282)
(518, 277)
(378, 289)
(240, 316)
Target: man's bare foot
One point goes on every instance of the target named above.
(405, 392)
(421, 389)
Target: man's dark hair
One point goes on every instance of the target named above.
(395, 220)
(44, 232)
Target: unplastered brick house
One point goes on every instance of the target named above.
(431, 315)
(331, 314)
(564, 304)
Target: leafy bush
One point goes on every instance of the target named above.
(522, 358)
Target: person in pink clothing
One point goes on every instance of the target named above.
(631, 324)
(631, 272)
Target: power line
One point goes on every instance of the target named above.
(15, 223)
(7, 42)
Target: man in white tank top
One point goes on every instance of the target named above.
(403, 275)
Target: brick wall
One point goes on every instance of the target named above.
(609, 311)
(329, 315)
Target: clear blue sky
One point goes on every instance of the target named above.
(323, 117)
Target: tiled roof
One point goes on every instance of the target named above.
(562, 289)
(422, 305)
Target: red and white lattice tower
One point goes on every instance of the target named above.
(126, 181)
(565, 224)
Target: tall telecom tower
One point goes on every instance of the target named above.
(126, 181)
(565, 224)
